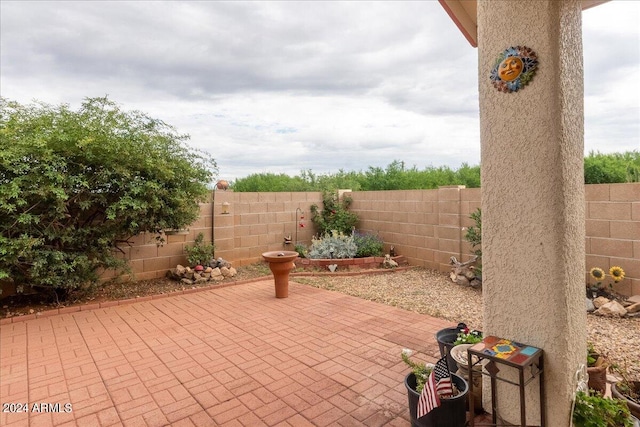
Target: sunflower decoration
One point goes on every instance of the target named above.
(599, 275)
(617, 273)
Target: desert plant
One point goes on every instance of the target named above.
(420, 369)
(200, 253)
(301, 249)
(74, 185)
(333, 245)
(629, 388)
(368, 245)
(335, 215)
(474, 237)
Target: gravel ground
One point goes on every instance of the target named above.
(428, 292)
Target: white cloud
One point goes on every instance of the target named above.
(287, 86)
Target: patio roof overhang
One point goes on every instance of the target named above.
(464, 14)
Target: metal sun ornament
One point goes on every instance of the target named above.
(514, 68)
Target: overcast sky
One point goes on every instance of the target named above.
(285, 86)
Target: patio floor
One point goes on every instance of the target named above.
(233, 356)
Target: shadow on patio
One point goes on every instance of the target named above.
(233, 356)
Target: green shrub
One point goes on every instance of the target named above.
(76, 184)
(598, 411)
(368, 245)
(301, 249)
(333, 245)
(335, 216)
(200, 253)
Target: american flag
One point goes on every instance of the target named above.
(438, 385)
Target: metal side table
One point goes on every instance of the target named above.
(522, 357)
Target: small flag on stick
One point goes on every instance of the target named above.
(438, 385)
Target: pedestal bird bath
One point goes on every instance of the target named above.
(281, 264)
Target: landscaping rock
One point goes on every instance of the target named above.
(590, 307)
(463, 273)
(634, 308)
(600, 301)
(612, 308)
(462, 281)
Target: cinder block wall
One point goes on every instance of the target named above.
(426, 226)
(259, 222)
(256, 223)
(613, 231)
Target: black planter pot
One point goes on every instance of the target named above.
(446, 338)
(450, 413)
(634, 408)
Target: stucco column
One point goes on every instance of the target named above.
(533, 196)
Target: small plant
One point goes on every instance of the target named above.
(474, 237)
(468, 336)
(597, 411)
(592, 355)
(335, 216)
(420, 369)
(334, 245)
(368, 245)
(200, 253)
(301, 249)
(626, 386)
(615, 272)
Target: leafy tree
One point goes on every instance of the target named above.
(598, 169)
(76, 184)
(612, 168)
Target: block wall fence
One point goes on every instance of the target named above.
(426, 226)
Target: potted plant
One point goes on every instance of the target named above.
(452, 410)
(627, 389)
(450, 337)
(594, 410)
(596, 370)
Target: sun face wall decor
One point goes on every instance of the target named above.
(514, 68)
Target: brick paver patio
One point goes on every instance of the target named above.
(233, 356)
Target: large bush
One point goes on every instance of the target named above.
(76, 184)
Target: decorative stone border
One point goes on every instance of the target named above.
(367, 263)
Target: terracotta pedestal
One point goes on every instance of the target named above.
(281, 264)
